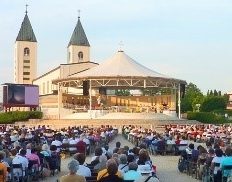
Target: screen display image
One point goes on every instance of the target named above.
(16, 94)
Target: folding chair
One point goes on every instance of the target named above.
(91, 179)
(17, 173)
(33, 169)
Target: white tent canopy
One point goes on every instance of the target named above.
(120, 71)
(120, 65)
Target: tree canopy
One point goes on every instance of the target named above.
(193, 96)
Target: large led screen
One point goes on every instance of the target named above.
(20, 95)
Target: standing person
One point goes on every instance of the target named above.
(73, 166)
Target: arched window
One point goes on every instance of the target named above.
(26, 51)
(80, 55)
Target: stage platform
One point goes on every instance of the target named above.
(99, 115)
(147, 120)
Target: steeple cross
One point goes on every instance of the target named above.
(79, 13)
(120, 45)
(26, 7)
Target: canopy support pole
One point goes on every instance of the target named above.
(59, 98)
(90, 98)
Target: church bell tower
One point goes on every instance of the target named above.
(78, 47)
(25, 56)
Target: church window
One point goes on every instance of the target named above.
(80, 55)
(26, 61)
(26, 51)
(26, 73)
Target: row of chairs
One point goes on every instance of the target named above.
(204, 172)
(159, 148)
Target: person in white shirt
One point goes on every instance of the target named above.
(123, 166)
(20, 159)
(83, 170)
(57, 143)
(72, 142)
(14, 137)
(216, 162)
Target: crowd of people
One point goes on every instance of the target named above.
(113, 165)
(28, 154)
(205, 150)
(31, 153)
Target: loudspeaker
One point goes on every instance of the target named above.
(86, 88)
(182, 90)
(102, 90)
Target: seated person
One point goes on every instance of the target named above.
(20, 159)
(3, 167)
(95, 159)
(102, 163)
(132, 174)
(73, 166)
(105, 172)
(146, 174)
(83, 170)
(215, 165)
(111, 174)
(123, 166)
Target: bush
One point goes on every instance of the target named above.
(207, 117)
(223, 112)
(12, 117)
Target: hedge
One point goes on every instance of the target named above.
(207, 117)
(223, 112)
(12, 117)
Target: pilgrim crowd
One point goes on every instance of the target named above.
(205, 150)
(28, 154)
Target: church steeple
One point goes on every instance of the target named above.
(78, 36)
(78, 47)
(26, 32)
(25, 58)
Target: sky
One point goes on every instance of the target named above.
(186, 39)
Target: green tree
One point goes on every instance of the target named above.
(214, 103)
(219, 93)
(192, 97)
(215, 93)
(211, 92)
